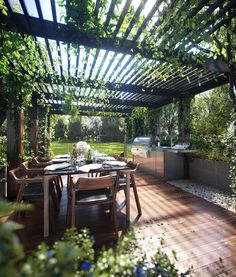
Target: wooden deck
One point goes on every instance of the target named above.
(200, 232)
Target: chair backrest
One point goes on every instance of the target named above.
(28, 165)
(41, 160)
(133, 169)
(84, 183)
(39, 163)
(133, 166)
(17, 174)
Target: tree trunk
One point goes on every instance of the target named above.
(184, 120)
(33, 127)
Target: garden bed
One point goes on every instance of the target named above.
(184, 166)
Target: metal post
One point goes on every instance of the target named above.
(125, 142)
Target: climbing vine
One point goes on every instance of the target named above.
(20, 63)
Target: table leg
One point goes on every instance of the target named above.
(127, 198)
(46, 205)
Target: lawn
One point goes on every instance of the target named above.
(110, 148)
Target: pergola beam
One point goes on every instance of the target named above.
(59, 107)
(71, 81)
(136, 89)
(113, 101)
(69, 34)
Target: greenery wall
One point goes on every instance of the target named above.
(88, 128)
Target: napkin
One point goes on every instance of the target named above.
(114, 163)
(88, 167)
(62, 156)
(106, 158)
(60, 160)
(101, 155)
(57, 166)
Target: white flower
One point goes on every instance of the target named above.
(82, 147)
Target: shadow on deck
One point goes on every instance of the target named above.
(199, 231)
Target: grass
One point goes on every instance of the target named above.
(110, 148)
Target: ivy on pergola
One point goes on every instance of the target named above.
(124, 56)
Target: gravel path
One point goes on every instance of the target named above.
(214, 195)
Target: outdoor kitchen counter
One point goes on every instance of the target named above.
(166, 162)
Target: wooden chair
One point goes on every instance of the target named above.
(33, 170)
(92, 191)
(31, 188)
(121, 183)
(42, 161)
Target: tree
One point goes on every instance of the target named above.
(211, 112)
(138, 122)
(110, 130)
(60, 129)
(152, 121)
(75, 129)
(169, 119)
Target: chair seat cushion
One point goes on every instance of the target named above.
(33, 191)
(93, 196)
(122, 183)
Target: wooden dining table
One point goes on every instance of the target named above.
(75, 170)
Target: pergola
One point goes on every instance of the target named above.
(130, 67)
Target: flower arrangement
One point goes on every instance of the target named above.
(82, 147)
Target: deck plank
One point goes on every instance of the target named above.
(199, 231)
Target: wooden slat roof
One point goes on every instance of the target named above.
(82, 62)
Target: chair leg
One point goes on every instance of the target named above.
(19, 198)
(73, 208)
(52, 217)
(60, 181)
(68, 213)
(58, 187)
(115, 216)
(55, 199)
(136, 195)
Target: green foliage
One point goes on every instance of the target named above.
(73, 255)
(11, 249)
(211, 113)
(230, 142)
(44, 149)
(82, 16)
(26, 65)
(219, 148)
(151, 120)
(60, 131)
(210, 129)
(211, 147)
(110, 129)
(3, 151)
(65, 258)
(75, 129)
(91, 127)
(169, 119)
(147, 121)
